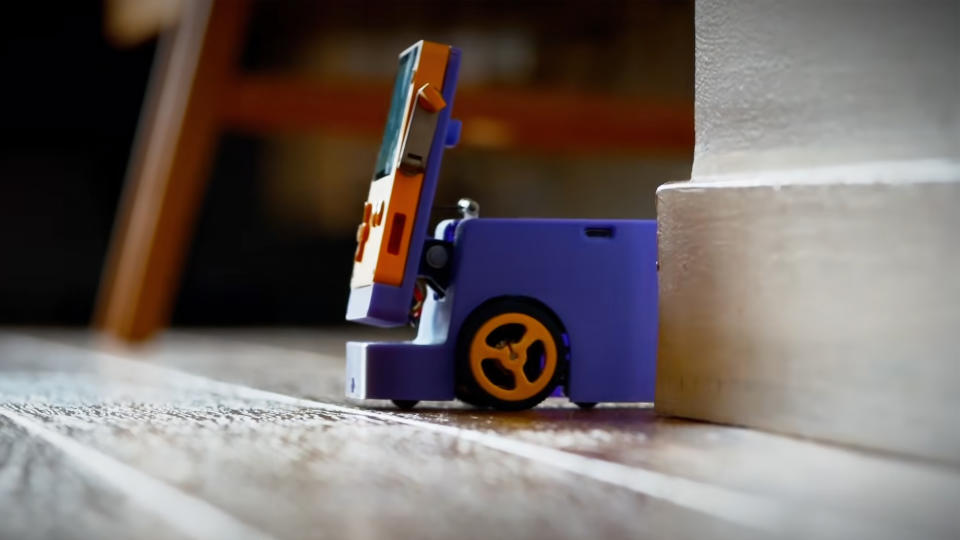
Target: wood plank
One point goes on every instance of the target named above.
(796, 487)
(45, 495)
(298, 470)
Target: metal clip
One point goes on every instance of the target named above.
(423, 125)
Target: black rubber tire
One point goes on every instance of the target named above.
(586, 405)
(469, 390)
(405, 404)
(468, 394)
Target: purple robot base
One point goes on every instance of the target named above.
(597, 278)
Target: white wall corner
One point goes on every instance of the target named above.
(810, 270)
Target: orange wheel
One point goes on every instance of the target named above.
(511, 355)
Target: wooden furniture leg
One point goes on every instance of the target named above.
(167, 175)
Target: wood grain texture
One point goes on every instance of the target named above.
(44, 495)
(254, 425)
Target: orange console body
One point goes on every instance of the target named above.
(383, 237)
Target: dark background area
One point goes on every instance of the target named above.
(70, 102)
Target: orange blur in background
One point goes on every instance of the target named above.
(567, 112)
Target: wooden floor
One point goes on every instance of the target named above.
(246, 434)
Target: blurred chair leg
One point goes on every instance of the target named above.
(168, 170)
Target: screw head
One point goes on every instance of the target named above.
(468, 208)
(437, 257)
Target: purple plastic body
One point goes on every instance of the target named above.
(598, 277)
(386, 305)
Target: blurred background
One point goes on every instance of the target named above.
(570, 109)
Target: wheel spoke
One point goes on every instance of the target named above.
(528, 339)
(502, 354)
(531, 336)
(523, 384)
